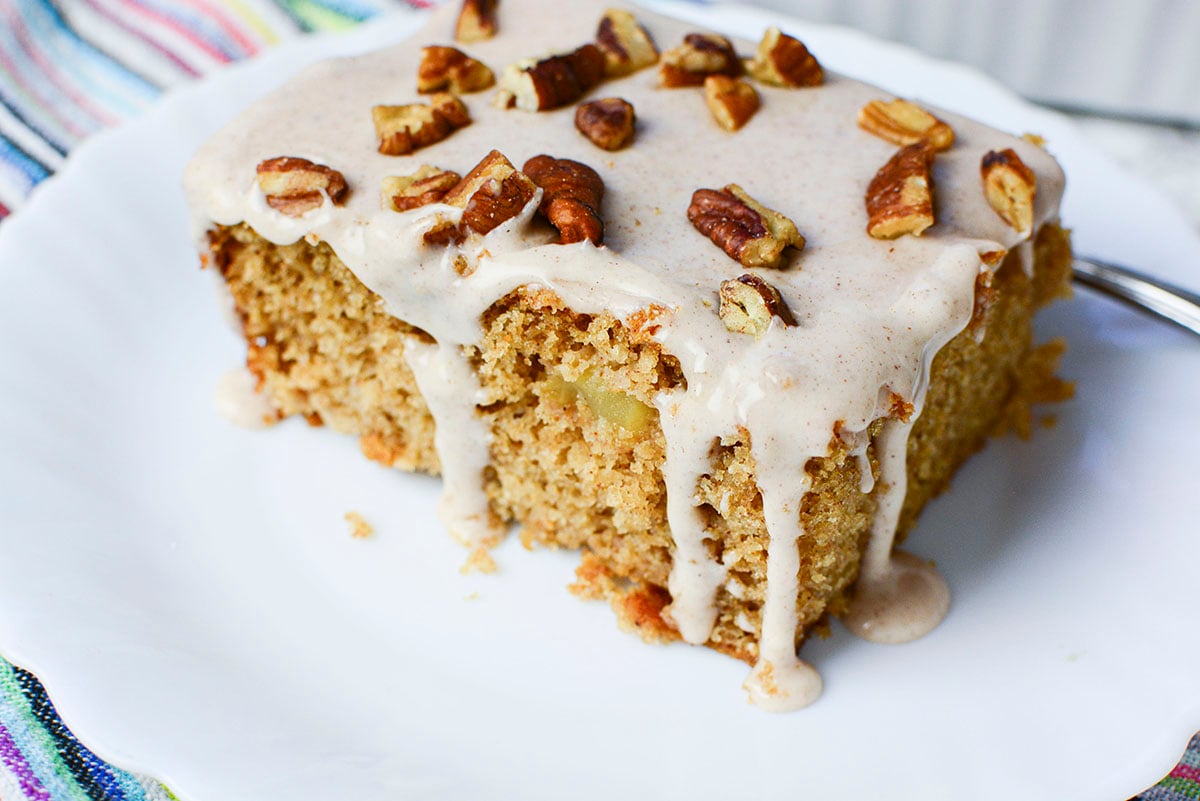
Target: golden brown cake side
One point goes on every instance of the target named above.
(576, 446)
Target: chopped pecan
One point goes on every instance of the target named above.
(450, 108)
(904, 123)
(986, 296)
(900, 196)
(747, 231)
(608, 122)
(993, 258)
(783, 60)
(571, 195)
(295, 186)
(700, 55)
(403, 129)
(748, 304)
(626, 45)
(427, 185)
(491, 194)
(898, 408)
(476, 21)
(1010, 187)
(449, 69)
(540, 85)
(732, 101)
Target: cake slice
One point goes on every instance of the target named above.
(724, 324)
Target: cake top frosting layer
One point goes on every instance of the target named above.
(869, 314)
(801, 154)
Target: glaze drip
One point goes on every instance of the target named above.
(898, 597)
(695, 575)
(780, 681)
(461, 438)
(238, 400)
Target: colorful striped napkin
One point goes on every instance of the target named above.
(67, 69)
(71, 67)
(40, 759)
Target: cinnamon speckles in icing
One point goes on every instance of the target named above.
(869, 314)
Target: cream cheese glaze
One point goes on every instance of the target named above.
(238, 400)
(871, 314)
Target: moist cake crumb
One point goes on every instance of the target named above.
(479, 561)
(360, 529)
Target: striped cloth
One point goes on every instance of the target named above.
(40, 759)
(1183, 782)
(69, 68)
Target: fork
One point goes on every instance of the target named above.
(1141, 291)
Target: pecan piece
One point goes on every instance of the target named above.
(783, 60)
(732, 101)
(608, 123)
(1010, 188)
(451, 109)
(403, 129)
(626, 45)
(986, 296)
(449, 69)
(427, 185)
(540, 85)
(747, 231)
(748, 304)
(904, 123)
(491, 194)
(898, 408)
(476, 21)
(900, 196)
(700, 55)
(295, 186)
(571, 195)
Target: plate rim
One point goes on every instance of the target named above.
(167, 107)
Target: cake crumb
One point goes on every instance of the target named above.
(480, 561)
(473, 596)
(1037, 382)
(639, 607)
(360, 529)
(766, 678)
(593, 581)
(530, 538)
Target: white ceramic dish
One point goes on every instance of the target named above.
(192, 599)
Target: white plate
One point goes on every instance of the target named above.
(191, 596)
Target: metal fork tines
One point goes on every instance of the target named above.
(1172, 303)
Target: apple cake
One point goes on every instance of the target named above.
(720, 319)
